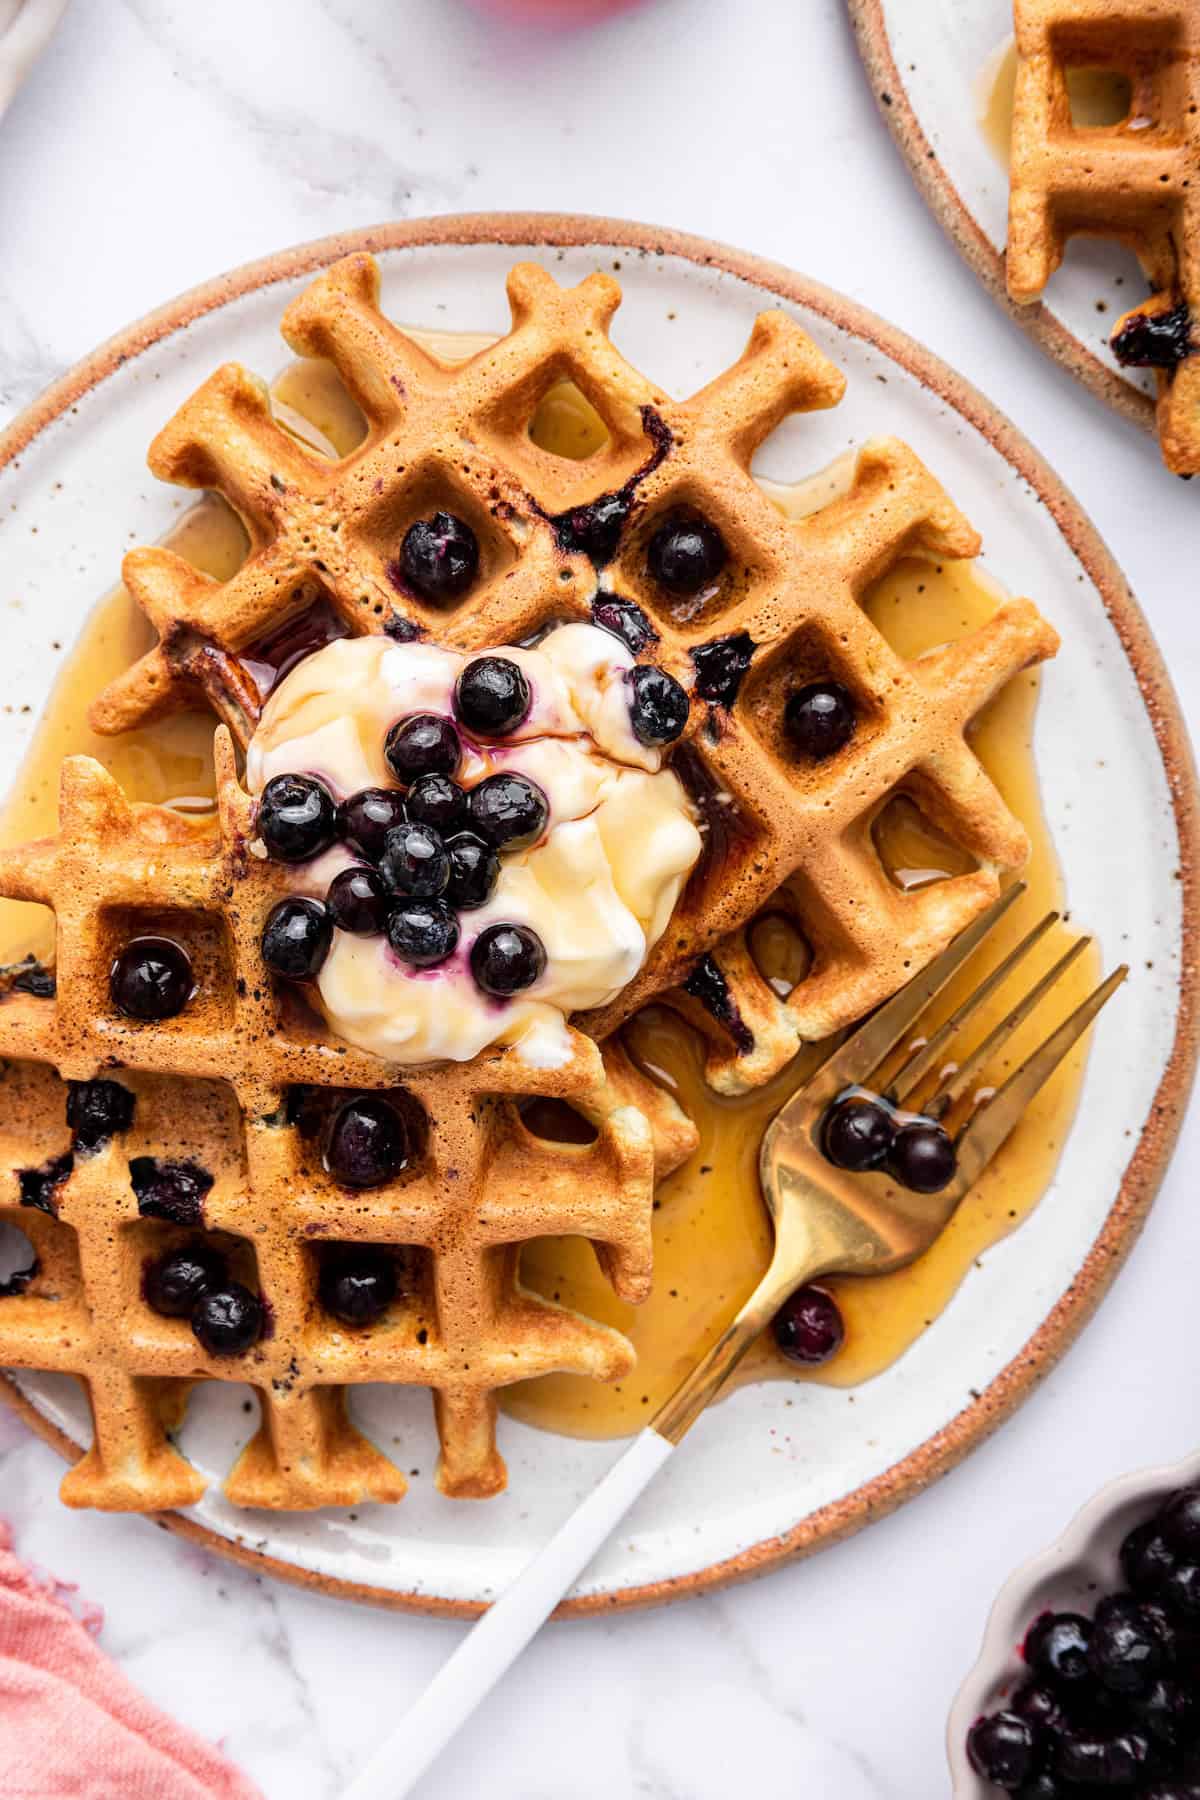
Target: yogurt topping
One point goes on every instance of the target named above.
(598, 887)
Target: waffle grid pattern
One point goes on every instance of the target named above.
(219, 1075)
(456, 436)
(1137, 181)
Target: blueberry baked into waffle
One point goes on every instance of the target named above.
(525, 741)
(1137, 181)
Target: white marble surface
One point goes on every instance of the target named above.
(158, 143)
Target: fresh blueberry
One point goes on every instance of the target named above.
(809, 1327)
(659, 707)
(296, 938)
(507, 958)
(508, 811)
(1167, 1712)
(1056, 1647)
(1040, 1705)
(1002, 1748)
(1124, 1652)
(176, 1281)
(1181, 1591)
(820, 719)
(436, 800)
(922, 1157)
(1146, 1558)
(423, 744)
(358, 1285)
(366, 818)
(474, 871)
(492, 696)
(1106, 1762)
(228, 1320)
(439, 558)
(858, 1133)
(297, 818)
(368, 1143)
(151, 978)
(422, 932)
(97, 1111)
(358, 902)
(1179, 1523)
(415, 862)
(1044, 1786)
(686, 555)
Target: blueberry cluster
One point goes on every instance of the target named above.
(430, 848)
(193, 1284)
(862, 1131)
(1112, 1703)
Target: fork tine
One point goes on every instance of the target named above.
(912, 1072)
(996, 1118)
(857, 1059)
(954, 1089)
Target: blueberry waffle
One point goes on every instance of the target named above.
(1137, 181)
(780, 705)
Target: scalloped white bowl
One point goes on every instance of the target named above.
(1069, 1576)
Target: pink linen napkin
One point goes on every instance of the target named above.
(71, 1726)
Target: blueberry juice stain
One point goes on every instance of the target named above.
(174, 1191)
(39, 1187)
(1156, 340)
(595, 530)
(721, 666)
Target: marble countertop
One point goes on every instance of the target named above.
(158, 143)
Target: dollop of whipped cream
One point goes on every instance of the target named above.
(598, 887)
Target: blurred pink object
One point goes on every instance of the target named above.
(553, 12)
(71, 1726)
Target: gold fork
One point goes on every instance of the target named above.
(827, 1221)
(831, 1221)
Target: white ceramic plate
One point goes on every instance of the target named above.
(776, 1469)
(1070, 1576)
(25, 29)
(925, 59)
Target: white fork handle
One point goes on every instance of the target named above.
(494, 1644)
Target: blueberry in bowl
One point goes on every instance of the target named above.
(1089, 1678)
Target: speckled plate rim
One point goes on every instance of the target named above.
(950, 209)
(1139, 1183)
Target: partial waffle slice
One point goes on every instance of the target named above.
(785, 610)
(1137, 181)
(237, 1085)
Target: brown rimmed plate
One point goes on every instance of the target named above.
(774, 1472)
